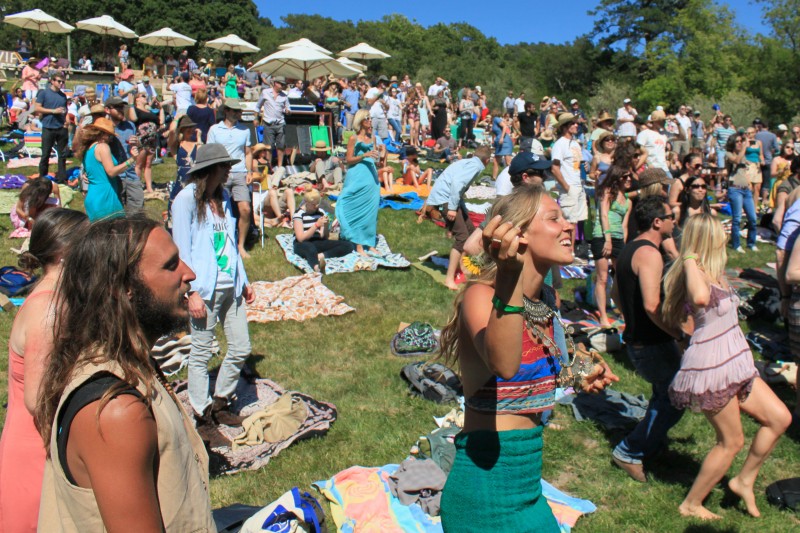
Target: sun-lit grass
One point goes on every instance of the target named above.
(346, 360)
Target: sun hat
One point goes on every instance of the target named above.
(394, 78)
(103, 124)
(565, 118)
(545, 99)
(259, 147)
(186, 122)
(320, 146)
(603, 136)
(573, 101)
(528, 160)
(145, 78)
(547, 135)
(383, 78)
(114, 101)
(626, 101)
(232, 103)
(97, 108)
(653, 175)
(658, 115)
(604, 117)
(782, 127)
(211, 154)
(279, 79)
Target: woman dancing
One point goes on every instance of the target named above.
(505, 337)
(717, 374)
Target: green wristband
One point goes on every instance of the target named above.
(498, 304)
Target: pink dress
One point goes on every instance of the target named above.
(22, 455)
(718, 364)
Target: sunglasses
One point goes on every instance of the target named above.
(699, 186)
(670, 216)
(698, 165)
(58, 80)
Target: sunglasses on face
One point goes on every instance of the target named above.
(670, 216)
(698, 165)
(57, 80)
(699, 186)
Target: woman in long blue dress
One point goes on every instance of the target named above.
(357, 206)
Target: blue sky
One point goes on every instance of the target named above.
(551, 21)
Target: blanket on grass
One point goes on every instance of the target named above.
(294, 298)
(253, 396)
(29, 162)
(361, 500)
(352, 262)
(423, 190)
(406, 200)
(12, 181)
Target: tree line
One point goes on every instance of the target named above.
(657, 52)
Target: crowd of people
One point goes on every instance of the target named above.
(640, 195)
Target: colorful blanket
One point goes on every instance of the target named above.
(352, 262)
(29, 162)
(253, 396)
(406, 200)
(12, 181)
(423, 190)
(361, 500)
(295, 298)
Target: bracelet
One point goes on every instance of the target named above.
(498, 304)
(606, 232)
(690, 256)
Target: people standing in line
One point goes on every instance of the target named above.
(238, 141)
(567, 159)
(204, 230)
(125, 145)
(122, 455)
(273, 105)
(651, 343)
(447, 195)
(51, 104)
(506, 338)
(717, 375)
(22, 454)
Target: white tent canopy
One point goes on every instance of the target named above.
(308, 44)
(302, 63)
(38, 20)
(166, 37)
(106, 25)
(363, 51)
(232, 43)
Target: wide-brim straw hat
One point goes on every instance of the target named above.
(103, 124)
(547, 135)
(320, 146)
(565, 118)
(604, 117)
(259, 147)
(653, 175)
(209, 155)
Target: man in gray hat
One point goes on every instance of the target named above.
(125, 130)
(238, 141)
(275, 105)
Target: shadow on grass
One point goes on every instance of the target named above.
(709, 529)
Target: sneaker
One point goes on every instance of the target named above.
(753, 248)
(739, 249)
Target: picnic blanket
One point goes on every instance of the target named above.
(352, 262)
(424, 190)
(294, 298)
(12, 181)
(253, 396)
(481, 192)
(406, 200)
(28, 162)
(361, 500)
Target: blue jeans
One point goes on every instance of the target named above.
(742, 198)
(396, 127)
(657, 364)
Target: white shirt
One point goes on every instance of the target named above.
(656, 145)
(183, 95)
(502, 184)
(568, 152)
(519, 103)
(435, 90)
(294, 92)
(686, 124)
(394, 109)
(626, 129)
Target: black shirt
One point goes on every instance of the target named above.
(639, 329)
(527, 124)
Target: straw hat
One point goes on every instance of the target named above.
(603, 136)
(658, 115)
(103, 124)
(209, 155)
(97, 108)
(565, 118)
(259, 147)
(604, 117)
(547, 135)
(320, 146)
(653, 175)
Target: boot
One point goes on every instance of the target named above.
(221, 414)
(208, 431)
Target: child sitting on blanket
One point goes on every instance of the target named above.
(311, 233)
(277, 203)
(412, 173)
(34, 198)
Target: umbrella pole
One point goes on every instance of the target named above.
(69, 50)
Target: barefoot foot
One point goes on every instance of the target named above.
(746, 494)
(452, 285)
(698, 512)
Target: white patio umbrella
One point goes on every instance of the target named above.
(166, 37)
(363, 51)
(232, 43)
(352, 64)
(38, 20)
(302, 63)
(307, 43)
(106, 25)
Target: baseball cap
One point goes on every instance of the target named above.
(783, 127)
(626, 101)
(757, 121)
(146, 78)
(573, 101)
(528, 160)
(114, 101)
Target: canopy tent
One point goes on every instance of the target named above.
(307, 43)
(106, 25)
(363, 51)
(232, 43)
(166, 37)
(302, 63)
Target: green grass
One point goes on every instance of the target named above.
(346, 360)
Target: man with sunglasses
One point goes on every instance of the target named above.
(650, 343)
(51, 104)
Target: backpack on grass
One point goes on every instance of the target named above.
(785, 494)
(432, 381)
(15, 282)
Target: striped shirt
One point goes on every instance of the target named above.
(722, 135)
(309, 219)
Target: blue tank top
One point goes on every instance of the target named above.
(753, 154)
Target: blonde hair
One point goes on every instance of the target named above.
(518, 208)
(311, 195)
(361, 114)
(704, 237)
(654, 189)
(201, 96)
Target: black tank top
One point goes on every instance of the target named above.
(639, 329)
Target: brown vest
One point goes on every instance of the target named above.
(182, 482)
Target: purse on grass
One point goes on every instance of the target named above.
(586, 363)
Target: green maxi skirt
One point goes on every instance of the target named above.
(495, 484)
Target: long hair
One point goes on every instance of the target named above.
(97, 321)
(88, 137)
(704, 237)
(51, 235)
(613, 184)
(686, 196)
(518, 208)
(35, 193)
(200, 181)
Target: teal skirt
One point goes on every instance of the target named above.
(495, 484)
